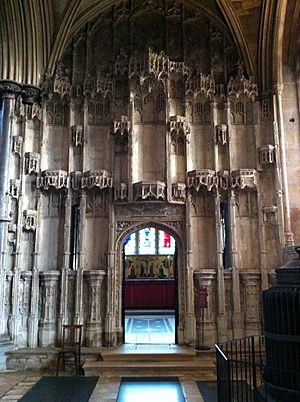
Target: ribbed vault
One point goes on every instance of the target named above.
(34, 34)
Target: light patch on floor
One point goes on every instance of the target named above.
(150, 329)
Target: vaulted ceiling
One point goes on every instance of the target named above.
(34, 33)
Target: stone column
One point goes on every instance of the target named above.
(221, 316)
(48, 322)
(8, 91)
(113, 290)
(190, 319)
(236, 308)
(65, 268)
(79, 277)
(94, 329)
(278, 114)
(34, 303)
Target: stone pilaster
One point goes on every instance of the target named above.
(8, 91)
(190, 319)
(288, 235)
(79, 276)
(94, 328)
(252, 293)
(114, 306)
(205, 281)
(48, 321)
(236, 308)
(34, 304)
(64, 273)
(221, 317)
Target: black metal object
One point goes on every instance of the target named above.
(223, 376)
(239, 369)
(281, 307)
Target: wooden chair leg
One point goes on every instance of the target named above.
(76, 363)
(57, 363)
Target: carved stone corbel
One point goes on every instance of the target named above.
(266, 155)
(202, 178)
(149, 190)
(121, 192)
(223, 180)
(75, 178)
(101, 179)
(57, 179)
(179, 192)
(29, 220)
(17, 144)
(14, 188)
(32, 162)
(77, 135)
(222, 135)
(243, 179)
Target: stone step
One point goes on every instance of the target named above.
(189, 363)
(148, 368)
(132, 357)
(133, 352)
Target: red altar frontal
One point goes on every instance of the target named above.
(147, 293)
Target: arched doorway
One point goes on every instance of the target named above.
(149, 287)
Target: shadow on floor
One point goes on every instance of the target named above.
(208, 390)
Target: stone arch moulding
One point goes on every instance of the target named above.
(175, 228)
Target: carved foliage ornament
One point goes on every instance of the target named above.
(9, 89)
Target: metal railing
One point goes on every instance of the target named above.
(239, 370)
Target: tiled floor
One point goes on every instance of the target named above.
(14, 385)
(144, 333)
(150, 329)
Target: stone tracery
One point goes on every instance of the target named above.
(147, 134)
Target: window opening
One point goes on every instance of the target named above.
(74, 237)
(225, 243)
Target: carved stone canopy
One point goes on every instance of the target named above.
(149, 190)
(101, 179)
(29, 220)
(266, 155)
(179, 192)
(203, 178)
(120, 192)
(77, 135)
(222, 136)
(32, 162)
(56, 179)
(243, 178)
(14, 188)
(241, 86)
